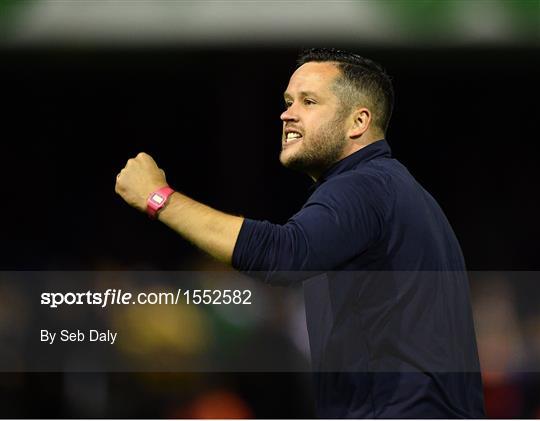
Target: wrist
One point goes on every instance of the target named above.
(157, 201)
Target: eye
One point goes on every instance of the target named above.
(308, 101)
(288, 104)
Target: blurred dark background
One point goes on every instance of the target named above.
(465, 124)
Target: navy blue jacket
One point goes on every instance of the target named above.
(387, 301)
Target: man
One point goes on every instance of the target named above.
(389, 318)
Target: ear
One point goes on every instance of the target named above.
(361, 122)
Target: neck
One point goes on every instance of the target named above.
(354, 145)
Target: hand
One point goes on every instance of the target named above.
(138, 179)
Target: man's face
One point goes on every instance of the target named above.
(314, 135)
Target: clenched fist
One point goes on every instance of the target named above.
(138, 179)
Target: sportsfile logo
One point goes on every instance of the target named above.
(110, 296)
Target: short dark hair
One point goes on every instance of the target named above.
(362, 81)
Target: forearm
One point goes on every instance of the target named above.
(212, 231)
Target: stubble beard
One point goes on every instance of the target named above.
(320, 151)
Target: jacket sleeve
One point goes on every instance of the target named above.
(339, 222)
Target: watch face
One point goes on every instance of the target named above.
(157, 199)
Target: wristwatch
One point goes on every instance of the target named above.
(157, 201)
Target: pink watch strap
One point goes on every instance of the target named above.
(157, 200)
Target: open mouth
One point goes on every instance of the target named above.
(292, 137)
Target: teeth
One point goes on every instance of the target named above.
(293, 135)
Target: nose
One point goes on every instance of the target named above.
(288, 115)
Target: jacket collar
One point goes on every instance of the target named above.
(377, 149)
